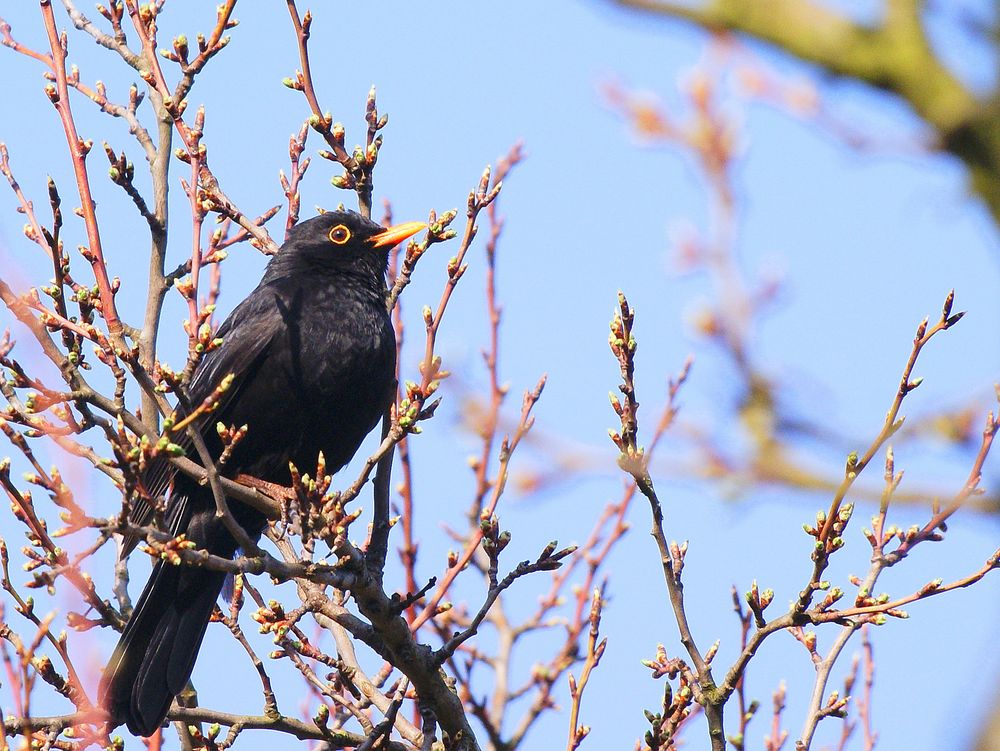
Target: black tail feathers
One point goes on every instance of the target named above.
(156, 653)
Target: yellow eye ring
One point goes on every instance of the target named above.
(339, 234)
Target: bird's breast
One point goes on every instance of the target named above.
(328, 376)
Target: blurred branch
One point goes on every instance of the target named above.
(774, 428)
(894, 55)
(989, 734)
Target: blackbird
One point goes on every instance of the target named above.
(312, 354)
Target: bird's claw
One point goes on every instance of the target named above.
(275, 491)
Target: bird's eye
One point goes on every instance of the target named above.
(339, 234)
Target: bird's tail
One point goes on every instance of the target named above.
(156, 653)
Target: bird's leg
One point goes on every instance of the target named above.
(275, 491)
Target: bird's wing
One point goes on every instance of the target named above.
(246, 335)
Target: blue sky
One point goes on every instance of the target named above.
(868, 243)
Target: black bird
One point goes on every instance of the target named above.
(312, 352)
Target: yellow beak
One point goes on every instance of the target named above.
(396, 234)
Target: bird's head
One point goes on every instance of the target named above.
(343, 241)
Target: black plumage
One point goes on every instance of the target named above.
(312, 352)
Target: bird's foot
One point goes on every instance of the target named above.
(278, 492)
